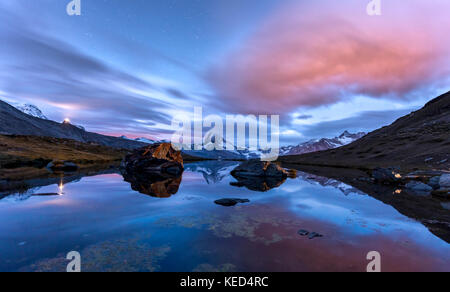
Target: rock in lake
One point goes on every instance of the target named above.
(303, 232)
(231, 202)
(259, 176)
(419, 187)
(157, 160)
(386, 176)
(311, 235)
(256, 168)
(314, 235)
(434, 182)
(444, 181)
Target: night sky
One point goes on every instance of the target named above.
(127, 67)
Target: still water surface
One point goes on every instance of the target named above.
(118, 229)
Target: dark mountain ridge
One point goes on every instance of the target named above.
(15, 122)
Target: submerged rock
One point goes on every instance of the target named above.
(303, 232)
(231, 202)
(314, 235)
(157, 160)
(256, 168)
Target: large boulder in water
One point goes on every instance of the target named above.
(259, 176)
(157, 160)
(154, 170)
(262, 169)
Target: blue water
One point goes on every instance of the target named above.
(117, 229)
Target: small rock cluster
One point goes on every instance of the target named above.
(311, 235)
(436, 183)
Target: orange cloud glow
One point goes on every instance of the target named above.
(311, 54)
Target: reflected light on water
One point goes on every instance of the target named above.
(61, 188)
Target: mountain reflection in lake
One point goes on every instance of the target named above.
(118, 229)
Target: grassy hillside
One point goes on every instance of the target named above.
(32, 151)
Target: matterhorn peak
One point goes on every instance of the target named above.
(345, 134)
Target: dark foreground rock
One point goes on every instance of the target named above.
(157, 160)
(311, 235)
(231, 202)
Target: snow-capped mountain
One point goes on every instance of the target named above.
(142, 140)
(31, 110)
(322, 144)
(307, 147)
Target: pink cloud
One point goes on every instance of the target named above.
(311, 54)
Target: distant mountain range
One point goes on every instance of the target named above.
(307, 147)
(142, 140)
(28, 119)
(17, 122)
(322, 144)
